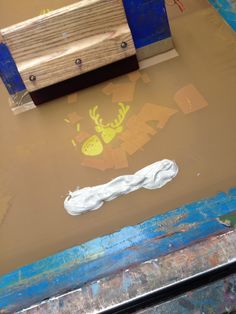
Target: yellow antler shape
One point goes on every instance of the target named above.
(97, 119)
(121, 115)
(108, 131)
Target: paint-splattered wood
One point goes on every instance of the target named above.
(104, 256)
(134, 284)
(218, 297)
(45, 48)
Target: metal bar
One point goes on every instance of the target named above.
(217, 297)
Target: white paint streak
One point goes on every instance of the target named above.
(151, 177)
(146, 63)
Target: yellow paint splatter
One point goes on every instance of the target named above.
(44, 11)
(78, 127)
(73, 143)
(92, 146)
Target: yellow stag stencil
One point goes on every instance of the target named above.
(110, 130)
(93, 145)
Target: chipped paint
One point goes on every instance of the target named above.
(154, 275)
(130, 246)
(170, 221)
(228, 220)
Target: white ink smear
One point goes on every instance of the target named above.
(151, 177)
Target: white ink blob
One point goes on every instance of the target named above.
(151, 177)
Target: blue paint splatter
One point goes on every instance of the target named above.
(127, 282)
(95, 288)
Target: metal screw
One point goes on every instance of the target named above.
(124, 44)
(78, 61)
(32, 78)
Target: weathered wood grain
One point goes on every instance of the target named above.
(47, 46)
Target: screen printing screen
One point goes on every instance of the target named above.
(182, 109)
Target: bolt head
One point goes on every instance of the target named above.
(124, 45)
(78, 61)
(32, 78)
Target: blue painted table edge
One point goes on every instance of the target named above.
(161, 235)
(227, 9)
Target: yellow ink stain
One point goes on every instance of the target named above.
(44, 11)
(78, 127)
(67, 121)
(92, 146)
(73, 143)
(110, 130)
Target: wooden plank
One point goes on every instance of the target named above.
(154, 280)
(85, 80)
(46, 47)
(159, 236)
